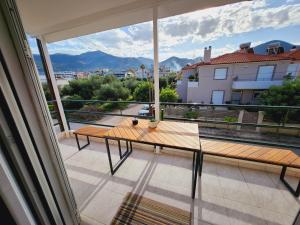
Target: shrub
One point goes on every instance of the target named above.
(191, 114)
(141, 92)
(86, 116)
(72, 105)
(230, 119)
(286, 95)
(168, 95)
(51, 107)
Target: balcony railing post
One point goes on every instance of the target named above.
(260, 119)
(156, 63)
(52, 82)
(240, 119)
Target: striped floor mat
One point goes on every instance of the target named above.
(136, 209)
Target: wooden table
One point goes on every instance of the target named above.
(182, 136)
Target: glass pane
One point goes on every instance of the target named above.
(220, 73)
(217, 97)
(293, 69)
(265, 73)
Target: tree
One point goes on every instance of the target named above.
(168, 95)
(286, 95)
(81, 87)
(47, 92)
(131, 83)
(141, 92)
(172, 79)
(112, 92)
(73, 104)
(163, 82)
(142, 68)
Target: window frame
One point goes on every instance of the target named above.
(258, 68)
(211, 96)
(226, 75)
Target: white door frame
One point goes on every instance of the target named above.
(212, 96)
(22, 88)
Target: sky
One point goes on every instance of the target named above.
(186, 35)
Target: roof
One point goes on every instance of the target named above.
(293, 54)
(58, 20)
(244, 57)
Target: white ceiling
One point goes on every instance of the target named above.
(62, 19)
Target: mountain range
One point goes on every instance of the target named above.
(91, 61)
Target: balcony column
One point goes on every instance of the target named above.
(49, 72)
(156, 64)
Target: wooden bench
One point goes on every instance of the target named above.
(89, 131)
(269, 155)
(97, 132)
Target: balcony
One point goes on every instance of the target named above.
(229, 191)
(193, 84)
(255, 84)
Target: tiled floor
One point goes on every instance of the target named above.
(225, 194)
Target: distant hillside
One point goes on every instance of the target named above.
(261, 49)
(90, 61)
(176, 63)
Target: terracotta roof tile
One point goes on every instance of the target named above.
(243, 57)
(294, 54)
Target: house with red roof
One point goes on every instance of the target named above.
(238, 77)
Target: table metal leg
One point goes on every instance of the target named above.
(109, 156)
(130, 146)
(127, 148)
(123, 157)
(120, 150)
(195, 171)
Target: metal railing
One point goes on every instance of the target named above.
(76, 116)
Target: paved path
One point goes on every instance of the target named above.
(132, 109)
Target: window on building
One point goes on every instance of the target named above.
(236, 97)
(293, 70)
(220, 74)
(265, 73)
(217, 97)
(256, 97)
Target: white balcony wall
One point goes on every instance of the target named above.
(193, 84)
(255, 85)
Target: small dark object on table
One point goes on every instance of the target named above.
(135, 121)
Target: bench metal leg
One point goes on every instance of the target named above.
(194, 157)
(195, 175)
(201, 164)
(78, 145)
(130, 147)
(296, 192)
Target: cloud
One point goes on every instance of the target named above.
(220, 51)
(230, 20)
(141, 32)
(185, 35)
(208, 26)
